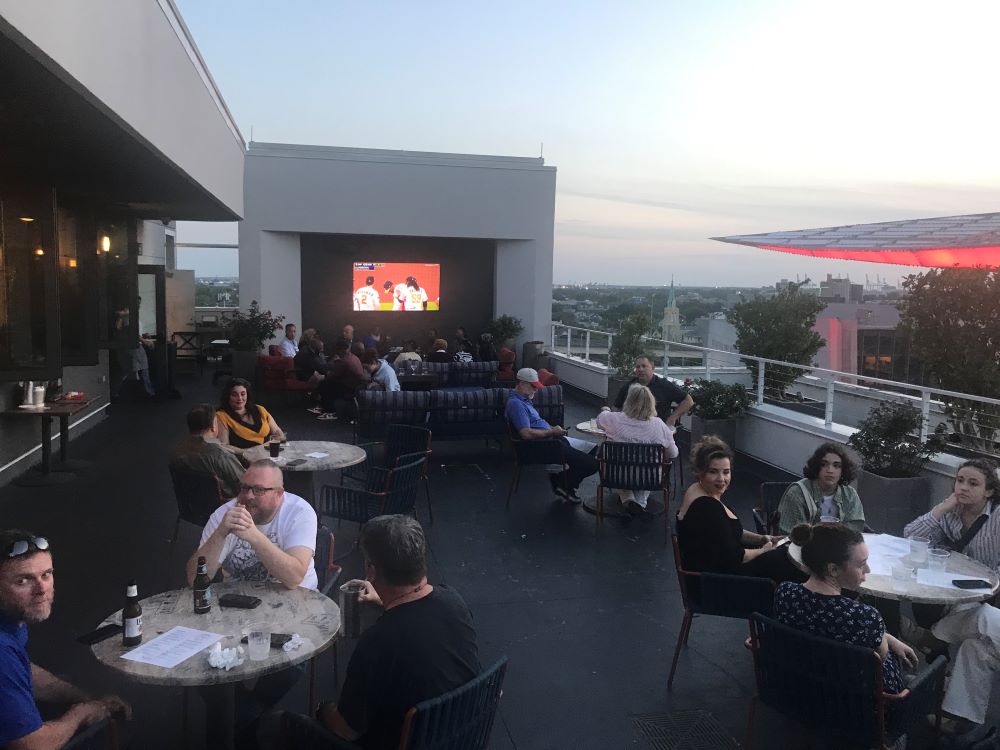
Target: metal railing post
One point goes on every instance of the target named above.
(828, 415)
(760, 382)
(569, 341)
(708, 366)
(586, 348)
(925, 412)
(552, 337)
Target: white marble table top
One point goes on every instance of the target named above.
(880, 584)
(585, 427)
(338, 455)
(312, 615)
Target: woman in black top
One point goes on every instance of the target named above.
(711, 537)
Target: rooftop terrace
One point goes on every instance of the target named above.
(589, 624)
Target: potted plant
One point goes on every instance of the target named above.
(504, 329)
(626, 345)
(892, 456)
(247, 333)
(717, 407)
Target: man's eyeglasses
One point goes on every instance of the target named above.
(255, 490)
(21, 546)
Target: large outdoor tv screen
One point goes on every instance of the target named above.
(407, 287)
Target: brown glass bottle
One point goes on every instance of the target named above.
(202, 589)
(132, 616)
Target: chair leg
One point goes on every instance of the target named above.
(311, 706)
(427, 491)
(681, 641)
(600, 508)
(748, 739)
(514, 480)
(177, 525)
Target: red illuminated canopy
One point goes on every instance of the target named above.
(942, 242)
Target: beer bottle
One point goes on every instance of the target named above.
(202, 589)
(132, 616)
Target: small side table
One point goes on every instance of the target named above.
(61, 471)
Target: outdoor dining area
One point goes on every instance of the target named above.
(606, 637)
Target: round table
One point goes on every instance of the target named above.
(299, 479)
(959, 566)
(312, 615)
(585, 427)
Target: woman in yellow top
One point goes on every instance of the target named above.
(242, 423)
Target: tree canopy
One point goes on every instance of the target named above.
(778, 327)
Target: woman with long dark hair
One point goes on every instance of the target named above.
(711, 537)
(243, 423)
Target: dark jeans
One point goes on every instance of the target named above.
(580, 465)
(279, 730)
(774, 564)
(232, 711)
(336, 394)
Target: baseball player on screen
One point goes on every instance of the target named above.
(416, 296)
(366, 297)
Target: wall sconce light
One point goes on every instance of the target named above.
(25, 219)
(39, 252)
(106, 243)
(72, 262)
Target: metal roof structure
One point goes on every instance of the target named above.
(941, 242)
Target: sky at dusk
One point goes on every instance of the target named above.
(668, 122)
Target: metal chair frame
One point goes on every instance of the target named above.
(534, 453)
(633, 466)
(193, 504)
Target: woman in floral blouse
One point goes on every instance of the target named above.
(837, 559)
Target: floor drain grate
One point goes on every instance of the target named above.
(683, 730)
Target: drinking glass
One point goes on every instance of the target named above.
(593, 424)
(918, 550)
(902, 575)
(258, 641)
(937, 558)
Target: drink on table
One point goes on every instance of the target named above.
(132, 616)
(274, 447)
(202, 589)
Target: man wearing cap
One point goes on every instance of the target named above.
(27, 587)
(524, 419)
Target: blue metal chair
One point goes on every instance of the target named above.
(397, 493)
(716, 594)
(101, 735)
(198, 495)
(461, 719)
(835, 689)
(633, 466)
(534, 453)
(400, 440)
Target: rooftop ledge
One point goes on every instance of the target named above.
(393, 156)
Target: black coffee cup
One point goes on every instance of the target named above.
(275, 448)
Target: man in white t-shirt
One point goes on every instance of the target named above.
(263, 533)
(366, 297)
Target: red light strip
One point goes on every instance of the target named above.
(931, 257)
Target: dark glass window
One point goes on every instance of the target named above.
(117, 252)
(29, 328)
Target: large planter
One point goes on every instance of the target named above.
(245, 365)
(892, 502)
(723, 428)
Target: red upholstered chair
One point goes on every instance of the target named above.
(547, 378)
(273, 350)
(278, 374)
(506, 372)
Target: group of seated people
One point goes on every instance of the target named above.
(824, 516)
(372, 362)
(649, 408)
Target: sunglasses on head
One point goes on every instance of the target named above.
(22, 546)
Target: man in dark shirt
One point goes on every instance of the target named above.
(201, 451)
(344, 376)
(422, 646)
(27, 588)
(665, 392)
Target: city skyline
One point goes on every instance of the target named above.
(668, 125)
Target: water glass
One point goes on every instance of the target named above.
(937, 558)
(902, 576)
(593, 424)
(918, 550)
(258, 641)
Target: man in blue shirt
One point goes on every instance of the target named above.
(27, 587)
(527, 423)
(382, 375)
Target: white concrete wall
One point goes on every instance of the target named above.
(136, 59)
(291, 189)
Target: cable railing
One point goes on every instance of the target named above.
(973, 422)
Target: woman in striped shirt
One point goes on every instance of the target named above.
(968, 521)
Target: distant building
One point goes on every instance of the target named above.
(840, 289)
(863, 339)
(671, 323)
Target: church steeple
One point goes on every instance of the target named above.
(671, 324)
